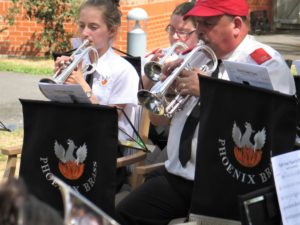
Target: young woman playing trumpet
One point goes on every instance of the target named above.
(115, 81)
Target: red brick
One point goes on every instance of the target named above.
(158, 11)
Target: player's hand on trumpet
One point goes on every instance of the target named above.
(187, 83)
(169, 67)
(61, 63)
(156, 55)
(76, 76)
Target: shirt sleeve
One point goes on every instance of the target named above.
(280, 75)
(125, 86)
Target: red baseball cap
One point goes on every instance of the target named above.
(219, 7)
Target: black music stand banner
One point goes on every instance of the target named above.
(297, 82)
(240, 127)
(75, 142)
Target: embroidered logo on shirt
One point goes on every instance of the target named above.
(260, 56)
(103, 80)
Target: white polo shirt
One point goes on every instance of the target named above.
(116, 82)
(173, 164)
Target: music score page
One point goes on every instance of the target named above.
(286, 171)
(250, 74)
(65, 93)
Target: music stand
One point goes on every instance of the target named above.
(69, 149)
(3, 127)
(249, 110)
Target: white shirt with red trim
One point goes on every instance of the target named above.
(254, 52)
(281, 79)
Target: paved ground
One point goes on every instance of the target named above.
(14, 86)
(286, 43)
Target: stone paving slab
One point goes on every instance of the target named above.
(288, 44)
(15, 86)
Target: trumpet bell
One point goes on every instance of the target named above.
(157, 101)
(153, 70)
(48, 80)
(79, 210)
(151, 102)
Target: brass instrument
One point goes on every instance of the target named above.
(155, 100)
(80, 211)
(62, 75)
(152, 69)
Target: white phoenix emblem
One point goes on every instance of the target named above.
(243, 140)
(68, 155)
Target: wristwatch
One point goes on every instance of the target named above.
(89, 94)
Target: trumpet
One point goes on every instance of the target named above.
(78, 210)
(62, 75)
(156, 101)
(152, 69)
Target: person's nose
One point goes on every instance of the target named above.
(85, 32)
(175, 36)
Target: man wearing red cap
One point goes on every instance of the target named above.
(223, 26)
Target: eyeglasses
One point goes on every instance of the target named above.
(183, 35)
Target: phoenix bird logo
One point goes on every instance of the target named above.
(246, 152)
(71, 167)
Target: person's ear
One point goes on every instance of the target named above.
(113, 31)
(237, 25)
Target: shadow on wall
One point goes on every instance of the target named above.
(26, 49)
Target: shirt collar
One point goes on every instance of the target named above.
(239, 49)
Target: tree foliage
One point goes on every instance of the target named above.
(52, 15)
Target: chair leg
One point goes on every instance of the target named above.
(136, 179)
(10, 168)
(11, 163)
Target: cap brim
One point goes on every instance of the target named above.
(203, 11)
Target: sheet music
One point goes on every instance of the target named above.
(66, 93)
(286, 169)
(246, 73)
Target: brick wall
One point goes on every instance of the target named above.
(158, 12)
(18, 40)
(259, 5)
